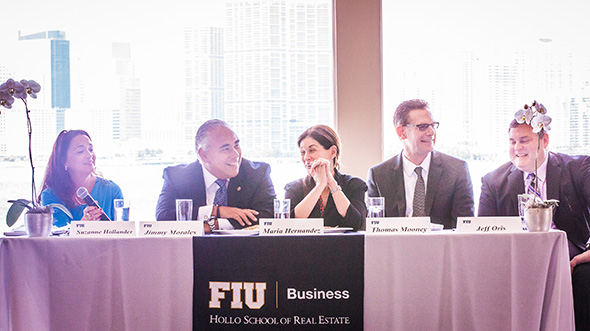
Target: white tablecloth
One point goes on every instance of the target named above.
(453, 281)
(96, 284)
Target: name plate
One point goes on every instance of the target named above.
(398, 225)
(171, 229)
(102, 229)
(291, 226)
(489, 224)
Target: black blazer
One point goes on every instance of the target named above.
(449, 193)
(252, 188)
(568, 180)
(354, 188)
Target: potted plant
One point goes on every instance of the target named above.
(538, 213)
(38, 219)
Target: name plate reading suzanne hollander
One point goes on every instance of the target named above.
(291, 226)
(102, 229)
(171, 229)
(489, 224)
(398, 225)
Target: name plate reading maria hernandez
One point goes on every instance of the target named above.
(102, 229)
(398, 225)
(171, 229)
(291, 226)
(489, 224)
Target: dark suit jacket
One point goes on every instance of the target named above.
(568, 180)
(354, 188)
(449, 193)
(251, 189)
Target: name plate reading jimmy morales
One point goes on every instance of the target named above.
(489, 224)
(102, 229)
(291, 226)
(398, 225)
(171, 229)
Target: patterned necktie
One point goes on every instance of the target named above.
(419, 194)
(221, 194)
(532, 187)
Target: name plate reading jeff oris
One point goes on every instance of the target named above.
(102, 229)
(489, 224)
(398, 225)
(171, 229)
(291, 226)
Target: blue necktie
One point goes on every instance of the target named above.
(221, 194)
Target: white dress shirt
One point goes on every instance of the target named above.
(410, 178)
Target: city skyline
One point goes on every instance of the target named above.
(163, 99)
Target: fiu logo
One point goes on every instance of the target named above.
(79, 225)
(218, 290)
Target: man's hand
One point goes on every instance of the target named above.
(243, 216)
(579, 259)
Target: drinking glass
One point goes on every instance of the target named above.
(375, 206)
(522, 199)
(282, 208)
(184, 209)
(121, 209)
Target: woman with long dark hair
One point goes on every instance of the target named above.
(71, 166)
(325, 192)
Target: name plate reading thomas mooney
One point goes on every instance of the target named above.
(102, 229)
(398, 225)
(171, 229)
(291, 226)
(489, 224)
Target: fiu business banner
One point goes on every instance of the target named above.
(287, 283)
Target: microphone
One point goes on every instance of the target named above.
(82, 193)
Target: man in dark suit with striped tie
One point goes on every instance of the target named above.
(227, 190)
(559, 176)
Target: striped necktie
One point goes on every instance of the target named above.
(532, 186)
(419, 195)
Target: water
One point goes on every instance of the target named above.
(375, 211)
(282, 215)
(122, 214)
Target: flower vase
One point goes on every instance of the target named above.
(538, 219)
(38, 224)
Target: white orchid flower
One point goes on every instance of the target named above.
(524, 116)
(540, 122)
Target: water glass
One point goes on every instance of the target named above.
(522, 200)
(376, 207)
(184, 209)
(282, 208)
(121, 209)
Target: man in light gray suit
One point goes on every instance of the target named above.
(420, 181)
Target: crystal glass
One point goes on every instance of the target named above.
(376, 207)
(282, 208)
(184, 209)
(121, 209)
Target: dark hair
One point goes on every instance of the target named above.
(515, 124)
(201, 138)
(400, 117)
(326, 136)
(56, 176)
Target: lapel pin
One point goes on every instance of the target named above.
(239, 188)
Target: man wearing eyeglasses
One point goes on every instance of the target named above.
(420, 181)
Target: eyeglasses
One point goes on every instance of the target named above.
(424, 126)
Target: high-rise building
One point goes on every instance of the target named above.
(127, 118)
(278, 72)
(203, 78)
(49, 51)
